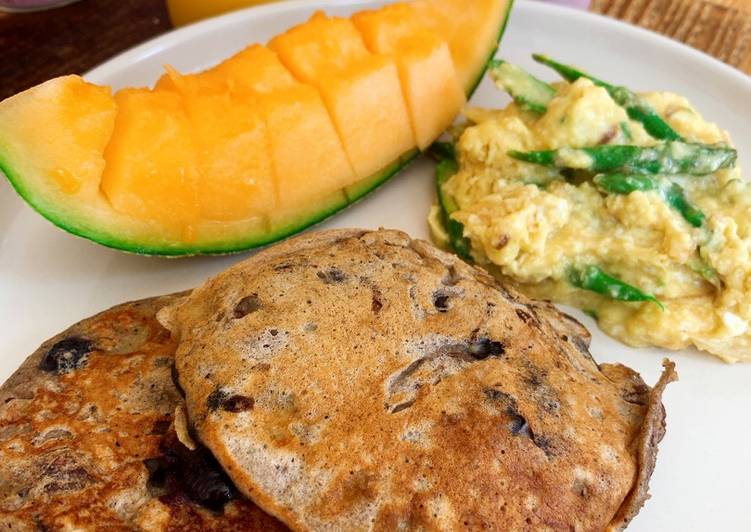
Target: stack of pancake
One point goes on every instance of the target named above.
(344, 380)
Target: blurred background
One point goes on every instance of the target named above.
(41, 39)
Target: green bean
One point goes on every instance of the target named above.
(529, 93)
(592, 313)
(593, 279)
(444, 171)
(676, 198)
(664, 158)
(625, 184)
(626, 130)
(672, 193)
(637, 109)
(443, 150)
(706, 270)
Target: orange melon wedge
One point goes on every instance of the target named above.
(361, 89)
(427, 74)
(301, 134)
(264, 144)
(149, 157)
(231, 144)
(464, 25)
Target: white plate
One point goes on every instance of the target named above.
(49, 279)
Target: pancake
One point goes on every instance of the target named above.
(86, 437)
(361, 380)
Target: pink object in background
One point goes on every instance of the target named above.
(577, 4)
(17, 6)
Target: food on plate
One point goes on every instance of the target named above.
(669, 158)
(432, 87)
(361, 380)
(361, 89)
(636, 108)
(628, 206)
(530, 93)
(88, 438)
(266, 143)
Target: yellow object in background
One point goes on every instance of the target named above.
(186, 11)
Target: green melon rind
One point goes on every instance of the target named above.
(353, 193)
(75, 226)
(476, 83)
(68, 223)
(365, 186)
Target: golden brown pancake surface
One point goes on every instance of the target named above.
(83, 421)
(361, 380)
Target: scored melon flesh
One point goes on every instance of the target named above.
(151, 167)
(53, 136)
(255, 68)
(52, 139)
(472, 30)
(233, 152)
(310, 165)
(426, 70)
(361, 90)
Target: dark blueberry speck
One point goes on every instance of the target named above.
(215, 399)
(67, 355)
(193, 473)
(441, 301)
(519, 426)
(220, 398)
(376, 303)
(246, 306)
(238, 403)
(484, 347)
(332, 276)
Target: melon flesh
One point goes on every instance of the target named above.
(472, 30)
(256, 68)
(52, 139)
(361, 89)
(152, 171)
(58, 132)
(301, 134)
(232, 147)
(426, 70)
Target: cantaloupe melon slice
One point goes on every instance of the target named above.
(53, 164)
(302, 136)
(181, 170)
(52, 140)
(361, 89)
(426, 69)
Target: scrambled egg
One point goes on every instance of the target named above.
(528, 225)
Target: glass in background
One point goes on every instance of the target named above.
(186, 11)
